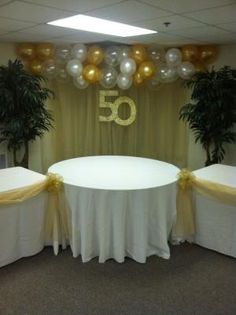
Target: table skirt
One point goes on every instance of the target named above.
(215, 225)
(22, 229)
(118, 224)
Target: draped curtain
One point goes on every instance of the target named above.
(156, 133)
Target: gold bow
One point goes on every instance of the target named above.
(185, 179)
(54, 182)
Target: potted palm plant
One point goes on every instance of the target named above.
(211, 113)
(23, 116)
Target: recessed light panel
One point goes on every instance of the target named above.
(96, 25)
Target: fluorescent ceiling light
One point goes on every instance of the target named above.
(96, 25)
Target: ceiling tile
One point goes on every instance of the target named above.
(85, 37)
(128, 12)
(228, 39)
(160, 38)
(204, 25)
(182, 42)
(216, 15)
(228, 26)
(2, 2)
(13, 25)
(199, 32)
(30, 12)
(2, 32)
(50, 30)
(75, 5)
(207, 34)
(176, 22)
(180, 6)
(24, 37)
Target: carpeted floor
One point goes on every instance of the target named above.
(195, 281)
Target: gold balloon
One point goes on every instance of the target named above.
(146, 69)
(190, 53)
(138, 79)
(208, 53)
(45, 51)
(91, 73)
(199, 66)
(139, 53)
(95, 55)
(26, 51)
(35, 66)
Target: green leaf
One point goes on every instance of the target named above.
(23, 114)
(211, 114)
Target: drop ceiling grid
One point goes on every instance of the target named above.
(191, 21)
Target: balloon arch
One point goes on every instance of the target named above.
(117, 64)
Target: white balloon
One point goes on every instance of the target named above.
(124, 81)
(173, 57)
(62, 53)
(186, 70)
(109, 77)
(128, 66)
(74, 67)
(79, 51)
(49, 69)
(112, 54)
(125, 52)
(80, 82)
(167, 74)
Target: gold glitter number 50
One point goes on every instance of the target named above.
(114, 107)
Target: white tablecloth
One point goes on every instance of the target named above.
(21, 224)
(215, 221)
(120, 206)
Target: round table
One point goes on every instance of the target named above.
(119, 206)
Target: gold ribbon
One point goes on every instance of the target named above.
(57, 217)
(54, 182)
(185, 179)
(184, 225)
(187, 182)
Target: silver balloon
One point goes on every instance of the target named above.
(157, 54)
(155, 83)
(80, 82)
(62, 53)
(167, 74)
(49, 69)
(79, 51)
(109, 77)
(62, 75)
(186, 70)
(125, 52)
(124, 81)
(128, 66)
(74, 67)
(173, 57)
(112, 54)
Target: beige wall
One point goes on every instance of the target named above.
(196, 155)
(7, 51)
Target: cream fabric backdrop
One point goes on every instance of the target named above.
(156, 133)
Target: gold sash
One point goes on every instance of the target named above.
(187, 181)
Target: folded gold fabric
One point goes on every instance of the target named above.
(57, 214)
(187, 181)
(51, 183)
